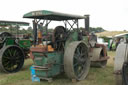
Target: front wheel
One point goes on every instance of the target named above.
(11, 59)
(76, 61)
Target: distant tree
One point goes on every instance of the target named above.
(50, 30)
(97, 29)
(125, 30)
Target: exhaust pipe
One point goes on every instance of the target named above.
(87, 23)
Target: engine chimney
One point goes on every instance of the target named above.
(87, 23)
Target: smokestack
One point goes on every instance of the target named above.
(87, 23)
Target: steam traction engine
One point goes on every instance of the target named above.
(66, 49)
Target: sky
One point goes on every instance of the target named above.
(111, 15)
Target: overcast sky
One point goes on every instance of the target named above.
(109, 14)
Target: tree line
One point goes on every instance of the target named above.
(15, 30)
(96, 30)
(29, 30)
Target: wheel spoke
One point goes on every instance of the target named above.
(76, 64)
(9, 53)
(7, 63)
(76, 56)
(17, 53)
(7, 56)
(14, 53)
(5, 59)
(78, 51)
(82, 50)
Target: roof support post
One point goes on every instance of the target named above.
(77, 23)
(35, 32)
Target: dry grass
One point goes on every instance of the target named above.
(110, 33)
(97, 76)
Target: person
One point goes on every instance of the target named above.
(39, 33)
(92, 39)
(117, 41)
(93, 43)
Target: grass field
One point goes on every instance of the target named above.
(110, 33)
(97, 76)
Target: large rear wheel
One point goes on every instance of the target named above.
(11, 59)
(76, 61)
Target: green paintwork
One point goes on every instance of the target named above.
(24, 43)
(8, 23)
(126, 35)
(73, 37)
(51, 15)
(85, 39)
(54, 59)
(10, 41)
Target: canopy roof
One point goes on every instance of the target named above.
(50, 15)
(8, 23)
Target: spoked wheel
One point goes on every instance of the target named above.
(11, 59)
(76, 61)
(125, 74)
